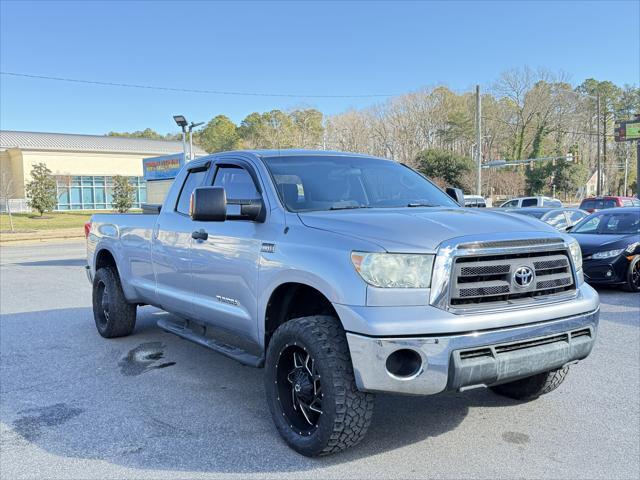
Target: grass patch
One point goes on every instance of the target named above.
(49, 221)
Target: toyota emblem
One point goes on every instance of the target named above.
(523, 276)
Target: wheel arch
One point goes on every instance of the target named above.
(291, 300)
(105, 258)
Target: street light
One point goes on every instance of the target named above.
(182, 123)
(191, 127)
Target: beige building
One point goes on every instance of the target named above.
(84, 165)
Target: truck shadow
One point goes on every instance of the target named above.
(155, 402)
(64, 262)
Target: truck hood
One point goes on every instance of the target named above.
(420, 229)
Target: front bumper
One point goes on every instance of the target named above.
(481, 358)
(606, 271)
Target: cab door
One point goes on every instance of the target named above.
(171, 247)
(225, 267)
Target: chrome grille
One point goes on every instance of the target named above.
(482, 279)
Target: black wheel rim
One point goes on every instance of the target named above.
(635, 275)
(103, 298)
(299, 389)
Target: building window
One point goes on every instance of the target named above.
(94, 192)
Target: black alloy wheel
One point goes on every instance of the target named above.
(633, 275)
(299, 388)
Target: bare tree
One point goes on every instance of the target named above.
(6, 192)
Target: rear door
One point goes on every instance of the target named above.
(225, 267)
(171, 246)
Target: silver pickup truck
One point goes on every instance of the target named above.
(344, 275)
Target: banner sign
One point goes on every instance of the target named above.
(627, 131)
(162, 168)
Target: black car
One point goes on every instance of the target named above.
(610, 243)
(559, 218)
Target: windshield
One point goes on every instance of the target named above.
(609, 223)
(598, 204)
(310, 183)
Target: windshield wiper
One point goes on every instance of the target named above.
(346, 207)
(419, 204)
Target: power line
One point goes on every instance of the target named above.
(189, 90)
(553, 129)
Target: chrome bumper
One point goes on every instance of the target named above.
(483, 358)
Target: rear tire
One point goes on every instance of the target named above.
(311, 389)
(114, 316)
(530, 388)
(633, 275)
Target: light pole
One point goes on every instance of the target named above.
(478, 142)
(182, 123)
(191, 127)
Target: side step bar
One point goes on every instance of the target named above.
(235, 353)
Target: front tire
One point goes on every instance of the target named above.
(633, 275)
(311, 389)
(530, 388)
(114, 316)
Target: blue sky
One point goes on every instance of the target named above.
(322, 48)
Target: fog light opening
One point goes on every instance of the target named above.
(404, 364)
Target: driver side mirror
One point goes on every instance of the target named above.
(208, 204)
(456, 194)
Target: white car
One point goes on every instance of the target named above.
(522, 202)
(476, 201)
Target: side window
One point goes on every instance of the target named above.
(237, 183)
(510, 204)
(194, 179)
(575, 217)
(530, 202)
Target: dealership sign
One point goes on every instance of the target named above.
(627, 131)
(162, 168)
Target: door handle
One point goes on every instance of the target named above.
(199, 234)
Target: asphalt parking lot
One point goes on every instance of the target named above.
(74, 405)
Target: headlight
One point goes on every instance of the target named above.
(394, 270)
(608, 253)
(576, 254)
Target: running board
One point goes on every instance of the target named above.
(227, 350)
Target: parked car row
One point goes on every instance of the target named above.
(560, 218)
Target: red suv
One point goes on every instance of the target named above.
(593, 204)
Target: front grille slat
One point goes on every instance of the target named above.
(481, 279)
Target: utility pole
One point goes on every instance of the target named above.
(604, 141)
(626, 168)
(599, 184)
(638, 169)
(478, 142)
